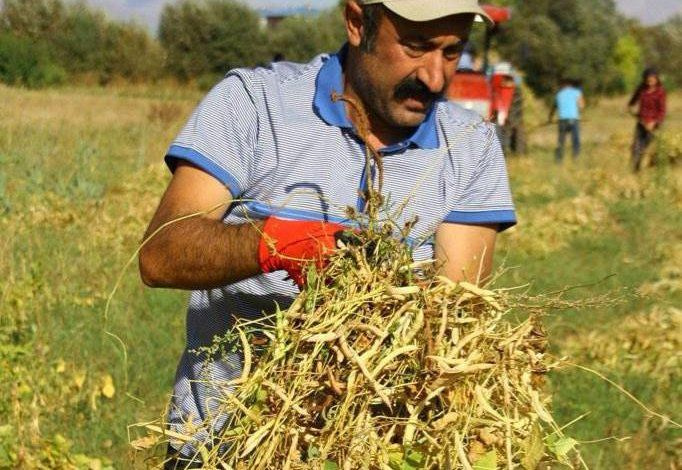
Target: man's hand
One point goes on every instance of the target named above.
(290, 245)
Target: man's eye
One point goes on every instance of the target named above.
(415, 49)
(452, 53)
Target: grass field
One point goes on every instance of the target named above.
(81, 172)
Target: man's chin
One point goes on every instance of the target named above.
(409, 118)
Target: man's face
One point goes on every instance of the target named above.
(409, 67)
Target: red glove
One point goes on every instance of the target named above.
(290, 245)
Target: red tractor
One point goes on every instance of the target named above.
(494, 91)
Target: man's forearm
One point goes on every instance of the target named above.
(200, 253)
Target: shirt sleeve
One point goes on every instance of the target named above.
(483, 196)
(221, 135)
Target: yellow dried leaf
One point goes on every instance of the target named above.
(60, 367)
(486, 462)
(255, 439)
(108, 389)
(95, 464)
(145, 443)
(93, 399)
(79, 379)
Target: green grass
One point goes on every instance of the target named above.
(81, 174)
(627, 247)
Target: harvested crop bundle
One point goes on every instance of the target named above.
(382, 364)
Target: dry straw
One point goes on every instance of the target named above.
(382, 364)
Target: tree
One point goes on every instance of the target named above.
(628, 60)
(71, 37)
(32, 19)
(23, 62)
(129, 52)
(79, 44)
(300, 38)
(550, 40)
(26, 57)
(203, 37)
(660, 44)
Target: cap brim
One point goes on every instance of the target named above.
(416, 10)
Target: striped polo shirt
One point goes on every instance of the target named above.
(283, 147)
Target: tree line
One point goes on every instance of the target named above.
(48, 42)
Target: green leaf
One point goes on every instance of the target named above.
(561, 446)
(413, 460)
(329, 465)
(395, 457)
(533, 448)
(313, 453)
(311, 275)
(261, 395)
(311, 281)
(487, 462)
(6, 431)
(408, 459)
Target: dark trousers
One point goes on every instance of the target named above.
(643, 139)
(568, 126)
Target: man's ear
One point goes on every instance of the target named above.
(354, 26)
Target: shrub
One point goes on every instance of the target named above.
(301, 38)
(23, 62)
(129, 52)
(210, 37)
(81, 41)
(564, 38)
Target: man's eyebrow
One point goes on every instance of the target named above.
(460, 42)
(419, 38)
(416, 37)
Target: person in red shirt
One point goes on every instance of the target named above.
(648, 104)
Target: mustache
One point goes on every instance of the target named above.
(413, 88)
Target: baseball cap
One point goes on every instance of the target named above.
(427, 10)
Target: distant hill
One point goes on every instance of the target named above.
(650, 12)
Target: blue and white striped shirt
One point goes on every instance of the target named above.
(280, 144)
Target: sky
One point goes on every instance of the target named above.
(650, 11)
(147, 12)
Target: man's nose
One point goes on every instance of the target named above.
(432, 72)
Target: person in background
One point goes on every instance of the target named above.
(569, 101)
(648, 105)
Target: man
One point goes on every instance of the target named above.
(568, 101)
(279, 160)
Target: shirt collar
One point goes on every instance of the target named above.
(330, 81)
